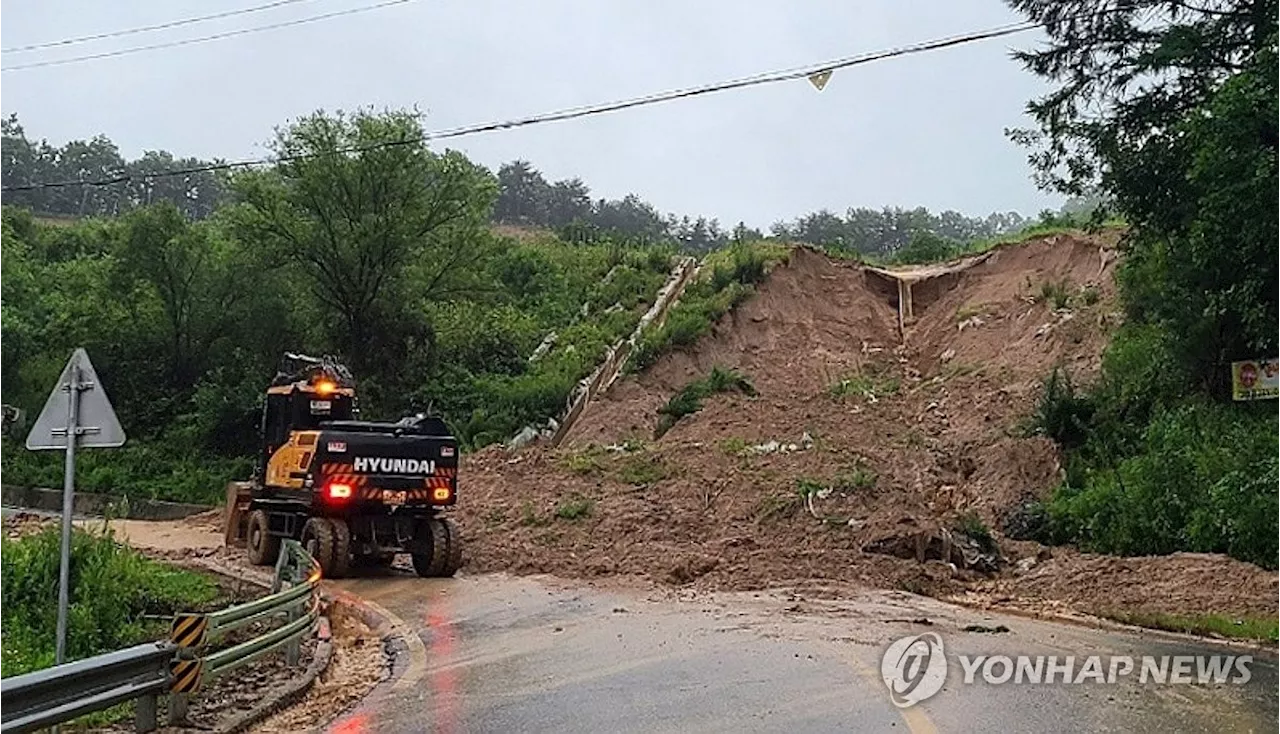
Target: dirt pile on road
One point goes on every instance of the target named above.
(20, 524)
(872, 453)
(1191, 583)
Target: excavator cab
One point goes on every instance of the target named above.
(305, 393)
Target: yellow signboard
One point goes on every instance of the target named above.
(1258, 379)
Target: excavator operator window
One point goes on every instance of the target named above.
(310, 409)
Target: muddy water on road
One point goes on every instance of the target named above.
(497, 653)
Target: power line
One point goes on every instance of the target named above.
(204, 39)
(149, 28)
(576, 112)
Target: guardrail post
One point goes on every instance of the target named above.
(178, 708)
(293, 649)
(144, 719)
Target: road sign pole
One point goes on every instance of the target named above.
(68, 500)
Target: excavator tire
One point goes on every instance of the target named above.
(454, 552)
(431, 563)
(318, 540)
(341, 548)
(446, 549)
(264, 548)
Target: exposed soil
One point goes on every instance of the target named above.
(1185, 583)
(903, 434)
(359, 663)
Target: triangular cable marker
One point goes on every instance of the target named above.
(820, 79)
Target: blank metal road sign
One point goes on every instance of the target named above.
(96, 422)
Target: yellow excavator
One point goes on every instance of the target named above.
(354, 492)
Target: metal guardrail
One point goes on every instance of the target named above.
(54, 695)
(178, 667)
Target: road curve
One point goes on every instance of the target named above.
(496, 653)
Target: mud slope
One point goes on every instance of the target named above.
(896, 437)
(812, 320)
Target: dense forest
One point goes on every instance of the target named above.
(386, 258)
(524, 199)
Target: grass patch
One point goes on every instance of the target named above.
(1206, 625)
(778, 506)
(871, 382)
(734, 446)
(1055, 293)
(575, 507)
(968, 311)
(530, 518)
(808, 486)
(856, 478)
(689, 399)
(115, 595)
(641, 469)
(960, 369)
(589, 460)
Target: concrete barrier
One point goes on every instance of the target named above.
(616, 357)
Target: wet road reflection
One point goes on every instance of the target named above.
(501, 654)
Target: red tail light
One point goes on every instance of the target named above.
(337, 491)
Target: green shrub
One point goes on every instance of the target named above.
(1061, 413)
(640, 469)
(972, 525)
(113, 590)
(857, 478)
(154, 470)
(689, 399)
(575, 507)
(1202, 477)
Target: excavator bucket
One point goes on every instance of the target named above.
(235, 519)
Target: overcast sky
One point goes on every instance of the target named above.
(923, 130)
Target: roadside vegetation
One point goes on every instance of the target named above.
(1206, 625)
(118, 598)
(1159, 457)
(186, 319)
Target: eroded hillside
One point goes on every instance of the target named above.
(872, 452)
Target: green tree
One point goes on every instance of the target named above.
(522, 195)
(926, 247)
(374, 228)
(201, 278)
(1171, 108)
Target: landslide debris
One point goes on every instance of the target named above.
(906, 447)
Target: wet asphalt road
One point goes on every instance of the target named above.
(502, 654)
